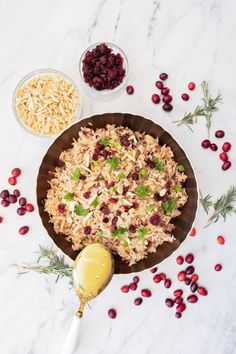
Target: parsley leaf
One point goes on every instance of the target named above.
(177, 187)
(143, 172)
(119, 232)
(121, 175)
(95, 202)
(169, 206)
(126, 243)
(79, 210)
(141, 233)
(113, 161)
(68, 196)
(99, 233)
(105, 142)
(142, 191)
(150, 208)
(181, 168)
(160, 166)
(76, 174)
(113, 189)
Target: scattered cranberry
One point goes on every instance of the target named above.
(193, 232)
(185, 97)
(163, 76)
(189, 258)
(189, 270)
(136, 279)
(21, 211)
(220, 240)
(23, 230)
(165, 91)
(167, 99)
(155, 219)
(135, 176)
(124, 140)
(112, 313)
(180, 260)
(167, 107)
(194, 278)
(87, 230)
(206, 143)
(181, 276)
(146, 293)
(193, 287)
(191, 86)
(181, 307)
(159, 85)
(214, 147)
(61, 208)
(178, 292)
(179, 300)
(12, 181)
(29, 207)
(155, 98)
(125, 288)
(178, 315)
(132, 229)
(202, 291)
(12, 199)
(218, 267)
(192, 299)
(167, 283)
(226, 165)
(138, 301)
(16, 172)
(169, 302)
(133, 286)
(153, 270)
(87, 195)
(105, 209)
(226, 147)
(16, 192)
(1, 219)
(163, 276)
(219, 134)
(5, 203)
(22, 201)
(130, 90)
(4, 194)
(223, 156)
(187, 281)
(157, 278)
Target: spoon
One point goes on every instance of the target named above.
(92, 271)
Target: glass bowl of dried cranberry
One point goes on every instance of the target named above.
(104, 70)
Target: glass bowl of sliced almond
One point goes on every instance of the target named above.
(46, 102)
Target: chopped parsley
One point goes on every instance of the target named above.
(169, 206)
(119, 232)
(99, 233)
(181, 168)
(141, 233)
(142, 191)
(96, 163)
(68, 196)
(79, 210)
(95, 202)
(160, 166)
(107, 142)
(76, 174)
(121, 175)
(143, 172)
(126, 243)
(113, 189)
(177, 187)
(150, 208)
(113, 161)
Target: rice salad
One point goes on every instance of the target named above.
(118, 187)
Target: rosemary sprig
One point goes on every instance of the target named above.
(206, 202)
(51, 264)
(208, 107)
(222, 207)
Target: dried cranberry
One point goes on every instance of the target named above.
(155, 219)
(87, 230)
(82, 177)
(132, 229)
(119, 212)
(124, 140)
(135, 176)
(59, 163)
(105, 209)
(29, 207)
(151, 164)
(135, 205)
(105, 220)
(61, 208)
(87, 195)
(114, 220)
(125, 190)
(113, 200)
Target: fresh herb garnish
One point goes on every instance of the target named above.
(95, 202)
(96, 163)
(113, 161)
(150, 208)
(181, 168)
(160, 166)
(141, 233)
(107, 142)
(79, 210)
(99, 233)
(208, 107)
(143, 172)
(76, 174)
(121, 175)
(113, 189)
(177, 187)
(206, 202)
(142, 191)
(119, 232)
(68, 196)
(169, 206)
(126, 243)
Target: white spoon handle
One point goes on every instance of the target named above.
(71, 345)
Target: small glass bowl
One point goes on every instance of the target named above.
(104, 95)
(30, 76)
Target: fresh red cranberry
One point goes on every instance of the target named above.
(16, 192)
(59, 163)
(87, 195)
(23, 230)
(185, 96)
(169, 302)
(187, 281)
(61, 208)
(165, 91)
(214, 147)
(155, 219)
(189, 258)
(135, 176)
(192, 299)
(12, 199)
(22, 201)
(136, 279)
(124, 140)
(5, 203)
(29, 207)
(12, 181)
(163, 76)
(180, 260)
(181, 276)
(178, 292)
(138, 301)
(218, 267)
(226, 146)
(4, 194)
(133, 286)
(130, 90)
(178, 314)
(167, 283)
(163, 276)
(167, 107)
(193, 287)
(125, 288)
(226, 165)
(181, 307)
(202, 291)
(105, 220)
(105, 209)
(219, 134)
(21, 211)
(159, 85)
(220, 240)
(87, 230)
(193, 232)
(146, 293)
(155, 98)
(132, 229)
(191, 86)
(153, 270)
(206, 143)
(157, 278)
(167, 99)
(16, 172)
(194, 278)
(1, 219)
(112, 313)
(223, 156)
(179, 300)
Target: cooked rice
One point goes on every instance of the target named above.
(161, 188)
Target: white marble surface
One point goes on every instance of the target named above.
(191, 40)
